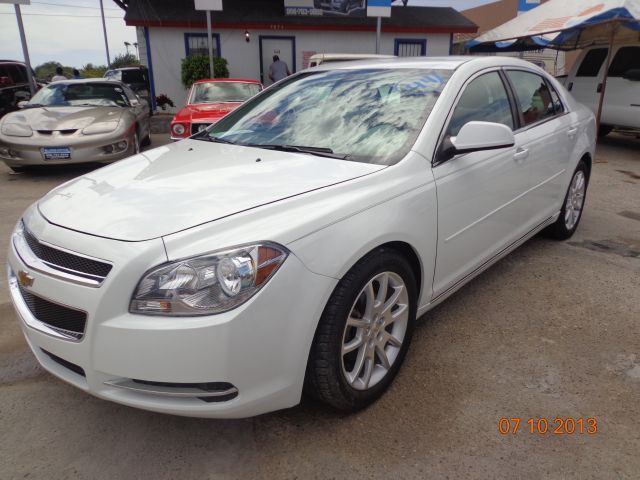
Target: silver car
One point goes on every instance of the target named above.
(75, 121)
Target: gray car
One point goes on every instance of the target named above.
(75, 121)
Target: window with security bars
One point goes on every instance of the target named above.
(410, 47)
(196, 44)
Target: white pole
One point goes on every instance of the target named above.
(210, 42)
(104, 30)
(378, 29)
(25, 50)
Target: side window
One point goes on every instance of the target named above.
(533, 96)
(592, 62)
(555, 98)
(627, 58)
(484, 99)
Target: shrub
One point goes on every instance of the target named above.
(196, 67)
(125, 60)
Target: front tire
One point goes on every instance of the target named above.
(571, 213)
(364, 332)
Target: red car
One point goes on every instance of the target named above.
(209, 101)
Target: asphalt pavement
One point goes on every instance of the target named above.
(552, 331)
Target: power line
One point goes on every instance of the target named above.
(73, 6)
(58, 15)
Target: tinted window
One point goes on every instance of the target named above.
(133, 76)
(533, 95)
(484, 99)
(592, 62)
(627, 58)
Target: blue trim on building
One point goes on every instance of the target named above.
(410, 41)
(188, 35)
(150, 67)
(276, 37)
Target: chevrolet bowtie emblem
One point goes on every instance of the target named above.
(25, 279)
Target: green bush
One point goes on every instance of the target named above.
(196, 67)
(125, 60)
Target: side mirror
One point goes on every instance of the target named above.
(633, 75)
(480, 136)
(22, 103)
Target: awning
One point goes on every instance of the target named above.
(564, 25)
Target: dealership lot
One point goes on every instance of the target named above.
(550, 331)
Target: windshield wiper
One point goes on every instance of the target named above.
(319, 151)
(203, 136)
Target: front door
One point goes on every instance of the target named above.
(480, 204)
(584, 85)
(622, 96)
(283, 47)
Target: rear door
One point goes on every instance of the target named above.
(549, 145)
(480, 194)
(585, 84)
(622, 97)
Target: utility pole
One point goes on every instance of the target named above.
(25, 50)
(104, 29)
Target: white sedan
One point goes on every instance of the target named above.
(291, 246)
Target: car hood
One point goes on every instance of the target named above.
(63, 118)
(189, 183)
(204, 112)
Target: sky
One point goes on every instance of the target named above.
(70, 31)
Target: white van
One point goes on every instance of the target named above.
(320, 58)
(621, 106)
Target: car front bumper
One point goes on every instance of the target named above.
(256, 353)
(84, 148)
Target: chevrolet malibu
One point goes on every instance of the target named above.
(291, 246)
(75, 121)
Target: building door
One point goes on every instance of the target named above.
(410, 47)
(283, 47)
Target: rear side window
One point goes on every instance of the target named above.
(484, 99)
(533, 95)
(627, 58)
(133, 76)
(592, 62)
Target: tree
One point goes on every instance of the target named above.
(93, 71)
(196, 67)
(47, 70)
(125, 60)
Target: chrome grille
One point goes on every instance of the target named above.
(65, 320)
(67, 262)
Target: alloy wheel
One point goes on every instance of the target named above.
(575, 200)
(375, 330)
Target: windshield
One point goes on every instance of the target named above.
(212, 92)
(81, 94)
(370, 116)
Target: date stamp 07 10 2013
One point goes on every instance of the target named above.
(542, 426)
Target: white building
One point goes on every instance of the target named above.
(169, 30)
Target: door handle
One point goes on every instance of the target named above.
(521, 154)
(572, 132)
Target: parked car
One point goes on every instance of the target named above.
(209, 101)
(293, 244)
(75, 121)
(136, 78)
(320, 58)
(621, 107)
(14, 85)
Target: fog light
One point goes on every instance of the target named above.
(120, 146)
(177, 129)
(4, 152)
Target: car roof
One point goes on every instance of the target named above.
(239, 80)
(88, 80)
(135, 67)
(444, 63)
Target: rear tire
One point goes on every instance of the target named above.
(573, 206)
(364, 332)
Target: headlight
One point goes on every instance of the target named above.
(177, 129)
(16, 130)
(207, 284)
(102, 127)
